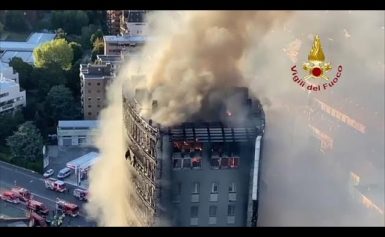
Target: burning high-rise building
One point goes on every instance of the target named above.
(203, 172)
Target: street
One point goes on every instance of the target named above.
(11, 175)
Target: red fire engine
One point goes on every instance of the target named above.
(22, 193)
(37, 207)
(37, 220)
(55, 185)
(9, 196)
(67, 208)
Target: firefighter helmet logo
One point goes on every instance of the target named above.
(316, 65)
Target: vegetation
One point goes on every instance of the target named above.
(15, 21)
(55, 52)
(60, 103)
(98, 48)
(52, 85)
(26, 146)
(71, 21)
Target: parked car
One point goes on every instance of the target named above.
(48, 173)
(64, 173)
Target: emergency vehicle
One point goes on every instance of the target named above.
(37, 207)
(81, 194)
(67, 208)
(55, 185)
(9, 196)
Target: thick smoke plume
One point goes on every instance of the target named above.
(190, 54)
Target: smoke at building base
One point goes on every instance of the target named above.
(194, 53)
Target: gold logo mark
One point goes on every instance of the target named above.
(316, 66)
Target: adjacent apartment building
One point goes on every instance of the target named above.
(11, 97)
(94, 78)
(203, 172)
(132, 22)
(113, 21)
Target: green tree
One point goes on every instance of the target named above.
(47, 78)
(15, 21)
(98, 48)
(73, 80)
(86, 34)
(61, 34)
(71, 21)
(77, 50)
(56, 52)
(24, 69)
(26, 143)
(8, 124)
(97, 35)
(61, 104)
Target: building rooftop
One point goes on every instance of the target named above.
(109, 58)
(124, 39)
(33, 41)
(83, 161)
(237, 119)
(26, 56)
(6, 84)
(87, 124)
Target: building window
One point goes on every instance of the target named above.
(98, 83)
(98, 98)
(224, 163)
(89, 113)
(177, 192)
(214, 188)
(89, 106)
(89, 83)
(186, 163)
(212, 211)
(98, 91)
(231, 214)
(81, 140)
(232, 193)
(196, 187)
(194, 212)
(215, 163)
(232, 188)
(89, 98)
(231, 210)
(98, 106)
(233, 162)
(177, 163)
(196, 162)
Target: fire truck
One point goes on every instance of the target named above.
(9, 196)
(55, 185)
(16, 195)
(37, 220)
(22, 193)
(81, 194)
(37, 207)
(67, 208)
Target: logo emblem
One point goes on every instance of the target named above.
(316, 66)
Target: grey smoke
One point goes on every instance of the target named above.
(189, 54)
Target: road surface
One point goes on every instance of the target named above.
(34, 182)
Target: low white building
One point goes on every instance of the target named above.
(11, 97)
(76, 132)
